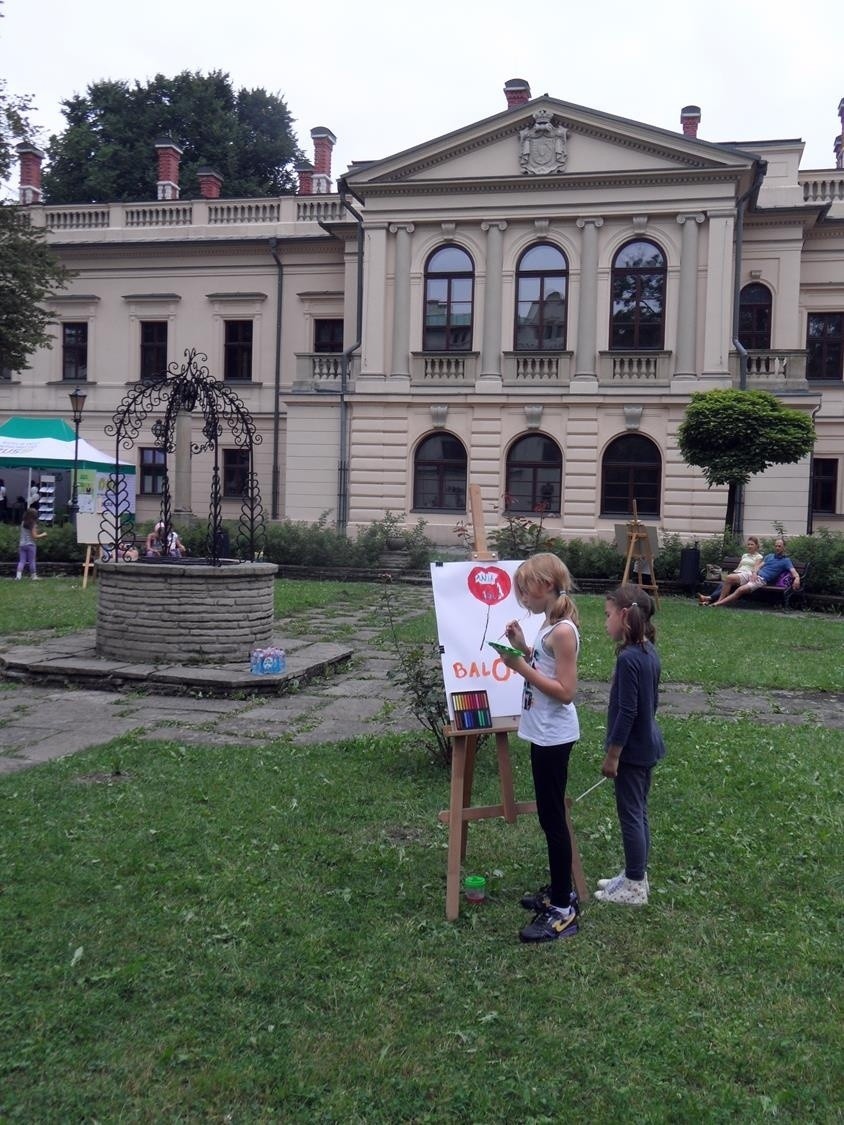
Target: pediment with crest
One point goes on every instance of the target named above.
(546, 140)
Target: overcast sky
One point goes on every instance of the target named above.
(384, 77)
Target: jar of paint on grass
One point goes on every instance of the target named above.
(474, 887)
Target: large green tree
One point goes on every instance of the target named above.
(106, 152)
(28, 270)
(733, 435)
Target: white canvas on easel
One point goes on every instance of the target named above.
(473, 602)
(639, 543)
(87, 534)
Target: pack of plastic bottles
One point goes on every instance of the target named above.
(267, 661)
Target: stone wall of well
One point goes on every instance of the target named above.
(177, 613)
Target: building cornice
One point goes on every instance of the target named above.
(536, 184)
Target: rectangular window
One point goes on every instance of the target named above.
(824, 484)
(152, 472)
(825, 346)
(153, 349)
(328, 336)
(75, 351)
(235, 473)
(237, 365)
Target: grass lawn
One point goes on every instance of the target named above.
(213, 934)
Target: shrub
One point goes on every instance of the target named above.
(591, 558)
(519, 538)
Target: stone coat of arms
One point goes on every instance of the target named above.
(542, 146)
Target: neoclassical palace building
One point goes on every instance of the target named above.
(527, 304)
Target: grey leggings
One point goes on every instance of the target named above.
(632, 785)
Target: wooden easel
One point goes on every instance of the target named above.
(460, 811)
(639, 551)
(88, 565)
(464, 747)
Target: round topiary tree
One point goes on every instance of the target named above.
(733, 435)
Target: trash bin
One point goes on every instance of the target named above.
(689, 566)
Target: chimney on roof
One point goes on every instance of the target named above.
(690, 119)
(305, 172)
(210, 182)
(30, 168)
(169, 154)
(324, 142)
(517, 92)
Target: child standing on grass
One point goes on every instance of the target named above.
(29, 533)
(634, 742)
(549, 723)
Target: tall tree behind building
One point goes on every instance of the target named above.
(28, 270)
(106, 151)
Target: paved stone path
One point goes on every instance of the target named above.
(41, 723)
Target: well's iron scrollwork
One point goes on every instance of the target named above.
(183, 389)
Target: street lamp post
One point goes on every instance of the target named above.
(77, 404)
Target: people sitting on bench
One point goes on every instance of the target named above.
(749, 563)
(772, 568)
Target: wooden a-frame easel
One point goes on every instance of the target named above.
(639, 551)
(464, 745)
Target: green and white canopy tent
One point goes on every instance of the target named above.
(49, 443)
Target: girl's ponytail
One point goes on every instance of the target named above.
(638, 620)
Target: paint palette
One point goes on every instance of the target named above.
(505, 650)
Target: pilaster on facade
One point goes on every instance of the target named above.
(490, 371)
(585, 379)
(685, 368)
(375, 301)
(719, 299)
(402, 234)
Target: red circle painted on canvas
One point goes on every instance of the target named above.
(489, 584)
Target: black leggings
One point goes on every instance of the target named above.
(550, 766)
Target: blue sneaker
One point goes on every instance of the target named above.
(551, 924)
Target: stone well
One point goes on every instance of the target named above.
(176, 613)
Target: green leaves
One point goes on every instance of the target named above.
(28, 274)
(107, 150)
(733, 435)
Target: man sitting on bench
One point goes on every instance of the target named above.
(773, 567)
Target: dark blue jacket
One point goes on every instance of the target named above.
(634, 698)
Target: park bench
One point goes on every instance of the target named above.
(784, 596)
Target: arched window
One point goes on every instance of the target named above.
(449, 286)
(755, 317)
(534, 475)
(631, 469)
(541, 288)
(637, 320)
(439, 474)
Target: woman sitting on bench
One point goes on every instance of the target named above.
(749, 563)
(773, 567)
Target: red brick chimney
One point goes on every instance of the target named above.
(210, 183)
(305, 172)
(169, 154)
(324, 142)
(690, 119)
(30, 182)
(517, 92)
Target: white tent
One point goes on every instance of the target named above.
(50, 443)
